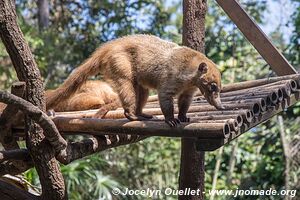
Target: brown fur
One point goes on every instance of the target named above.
(134, 64)
(2, 106)
(91, 95)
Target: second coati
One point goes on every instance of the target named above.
(92, 94)
(134, 64)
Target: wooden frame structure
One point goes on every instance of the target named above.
(212, 128)
(255, 101)
(247, 104)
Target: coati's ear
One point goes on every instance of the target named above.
(202, 68)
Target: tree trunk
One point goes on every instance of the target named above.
(216, 172)
(42, 153)
(232, 160)
(43, 14)
(11, 192)
(192, 161)
(286, 154)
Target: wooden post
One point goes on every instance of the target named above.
(216, 172)
(192, 161)
(43, 14)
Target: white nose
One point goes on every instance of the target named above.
(217, 103)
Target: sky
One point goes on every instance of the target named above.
(278, 12)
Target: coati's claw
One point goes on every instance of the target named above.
(173, 122)
(222, 107)
(155, 118)
(183, 118)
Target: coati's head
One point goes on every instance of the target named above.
(206, 75)
(208, 80)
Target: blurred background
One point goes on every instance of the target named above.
(63, 33)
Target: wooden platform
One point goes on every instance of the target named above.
(247, 104)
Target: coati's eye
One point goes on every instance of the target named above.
(213, 87)
(202, 68)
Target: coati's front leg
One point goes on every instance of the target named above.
(184, 102)
(167, 107)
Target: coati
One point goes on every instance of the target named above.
(92, 94)
(134, 64)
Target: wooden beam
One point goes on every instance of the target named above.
(257, 37)
(148, 128)
(211, 144)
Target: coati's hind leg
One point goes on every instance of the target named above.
(142, 96)
(128, 97)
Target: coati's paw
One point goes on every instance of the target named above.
(172, 122)
(183, 118)
(220, 107)
(147, 116)
(133, 117)
(101, 113)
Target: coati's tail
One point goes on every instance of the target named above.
(76, 79)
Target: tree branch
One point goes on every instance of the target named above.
(43, 155)
(9, 167)
(75, 150)
(6, 119)
(17, 154)
(50, 130)
(11, 192)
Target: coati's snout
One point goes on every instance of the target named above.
(215, 100)
(212, 96)
(210, 83)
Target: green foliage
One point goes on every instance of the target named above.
(293, 52)
(79, 27)
(137, 165)
(32, 177)
(85, 181)
(229, 49)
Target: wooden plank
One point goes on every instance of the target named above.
(257, 37)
